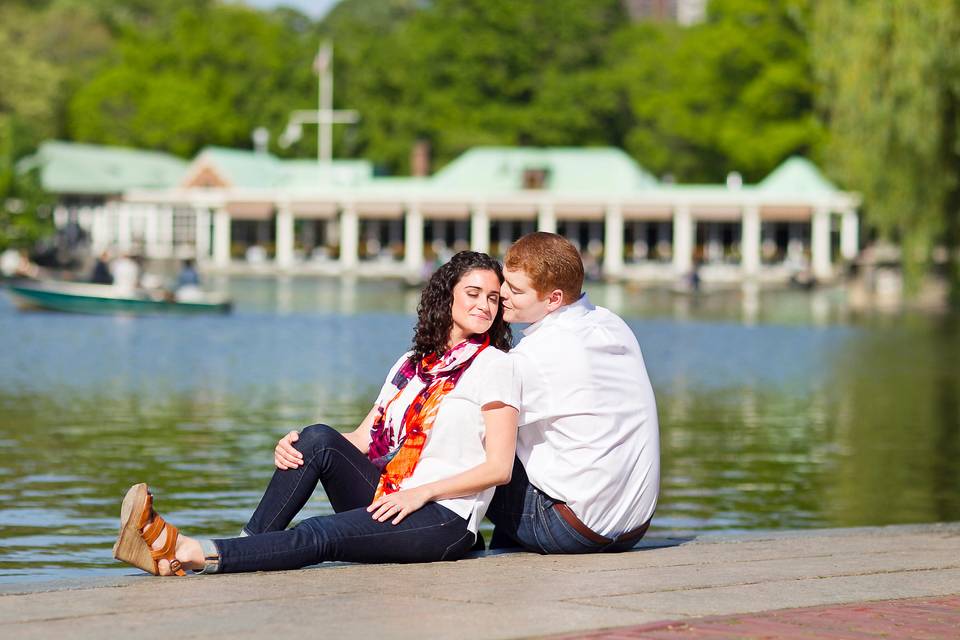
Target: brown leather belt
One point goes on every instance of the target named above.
(571, 518)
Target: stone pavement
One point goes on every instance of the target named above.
(510, 595)
(927, 618)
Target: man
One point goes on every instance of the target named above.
(101, 270)
(587, 474)
(126, 274)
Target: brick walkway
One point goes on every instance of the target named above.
(919, 618)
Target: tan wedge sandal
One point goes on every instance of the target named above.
(132, 546)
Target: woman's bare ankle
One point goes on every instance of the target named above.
(190, 553)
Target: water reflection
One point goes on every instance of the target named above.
(778, 410)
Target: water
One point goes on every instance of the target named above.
(778, 410)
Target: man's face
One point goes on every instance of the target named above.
(521, 302)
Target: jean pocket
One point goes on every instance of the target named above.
(568, 539)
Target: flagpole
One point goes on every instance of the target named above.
(324, 116)
(325, 102)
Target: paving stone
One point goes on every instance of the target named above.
(519, 595)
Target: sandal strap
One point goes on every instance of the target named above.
(169, 549)
(153, 530)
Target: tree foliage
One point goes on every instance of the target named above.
(43, 54)
(732, 94)
(464, 73)
(207, 74)
(890, 72)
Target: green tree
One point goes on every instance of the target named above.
(28, 113)
(735, 93)
(468, 72)
(890, 71)
(25, 212)
(206, 75)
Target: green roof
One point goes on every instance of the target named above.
(306, 173)
(797, 176)
(568, 169)
(68, 167)
(244, 168)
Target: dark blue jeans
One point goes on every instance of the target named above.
(524, 517)
(429, 534)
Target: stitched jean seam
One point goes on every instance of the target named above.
(271, 554)
(300, 480)
(447, 550)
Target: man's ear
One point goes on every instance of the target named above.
(554, 300)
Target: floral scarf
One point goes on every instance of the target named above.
(400, 432)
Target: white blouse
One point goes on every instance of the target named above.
(455, 443)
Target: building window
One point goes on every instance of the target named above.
(648, 241)
(184, 226)
(535, 177)
(381, 239)
(718, 242)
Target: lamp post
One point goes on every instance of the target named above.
(325, 115)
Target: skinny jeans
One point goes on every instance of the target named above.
(432, 533)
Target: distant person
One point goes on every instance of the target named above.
(188, 276)
(16, 263)
(587, 475)
(126, 274)
(693, 279)
(101, 270)
(9, 261)
(410, 484)
(187, 288)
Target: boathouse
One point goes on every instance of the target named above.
(238, 211)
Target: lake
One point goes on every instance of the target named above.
(778, 410)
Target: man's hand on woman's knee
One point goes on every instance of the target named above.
(285, 456)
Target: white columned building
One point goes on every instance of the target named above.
(780, 226)
(124, 218)
(413, 239)
(479, 229)
(285, 226)
(546, 217)
(820, 242)
(349, 236)
(683, 236)
(221, 237)
(613, 241)
(750, 240)
(849, 234)
(202, 235)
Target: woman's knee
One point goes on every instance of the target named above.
(318, 436)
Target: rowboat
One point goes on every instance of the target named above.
(74, 297)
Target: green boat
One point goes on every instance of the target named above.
(76, 297)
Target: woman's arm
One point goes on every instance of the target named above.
(500, 444)
(360, 437)
(285, 456)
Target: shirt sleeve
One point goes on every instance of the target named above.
(500, 383)
(535, 395)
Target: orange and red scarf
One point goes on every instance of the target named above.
(400, 430)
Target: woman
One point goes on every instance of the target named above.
(414, 479)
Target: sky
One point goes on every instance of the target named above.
(313, 8)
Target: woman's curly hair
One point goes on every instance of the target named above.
(435, 311)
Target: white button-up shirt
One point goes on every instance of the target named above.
(588, 424)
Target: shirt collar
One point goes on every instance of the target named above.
(566, 312)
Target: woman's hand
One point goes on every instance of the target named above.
(398, 505)
(284, 455)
